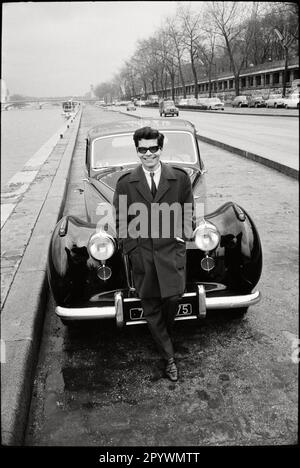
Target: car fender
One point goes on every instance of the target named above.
(238, 257)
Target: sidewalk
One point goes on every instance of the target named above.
(25, 240)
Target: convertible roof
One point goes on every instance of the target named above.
(125, 126)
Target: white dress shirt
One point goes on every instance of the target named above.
(156, 176)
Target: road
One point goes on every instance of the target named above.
(97, 386)
(272, 137)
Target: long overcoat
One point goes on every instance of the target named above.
(152, 231)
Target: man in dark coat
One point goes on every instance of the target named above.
(155, 239)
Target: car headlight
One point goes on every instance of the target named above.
(206, 236)
(101, 246)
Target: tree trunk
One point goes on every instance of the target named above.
(145, 87)
(209, 83)
(182, 81)
(166, 84)
(237, 84)
(153, 85)
(195, 77)
(172, 77)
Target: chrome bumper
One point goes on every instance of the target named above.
(116, 311)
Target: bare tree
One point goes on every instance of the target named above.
(176, 38)
(168, 58)
(206, 50)
(190, 27)
(230, 21)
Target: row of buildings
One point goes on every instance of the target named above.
(263, 79)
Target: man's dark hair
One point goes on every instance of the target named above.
(148, 133)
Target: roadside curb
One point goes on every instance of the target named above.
(23, 310)
(289, 171)
(257, 114)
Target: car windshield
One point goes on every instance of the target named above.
(119, 149)
(169, 103)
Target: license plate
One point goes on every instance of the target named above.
(136, 313)
(184, 310)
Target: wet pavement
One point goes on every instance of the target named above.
(238, 378)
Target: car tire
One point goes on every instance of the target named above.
(160, 114)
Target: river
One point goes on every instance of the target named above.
(23, 132)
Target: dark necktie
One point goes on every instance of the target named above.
(153, 186)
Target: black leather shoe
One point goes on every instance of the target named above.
(171, 370)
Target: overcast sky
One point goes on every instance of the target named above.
(61, 48)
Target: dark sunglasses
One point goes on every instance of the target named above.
(152, 149)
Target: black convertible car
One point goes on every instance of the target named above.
(91, 278)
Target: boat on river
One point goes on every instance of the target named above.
(69, 108)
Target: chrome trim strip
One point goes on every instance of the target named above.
(89, 313)
(201, 301)
(187, 317)
(141, 321)
(231, 302)
(86, 313)
(119, 309)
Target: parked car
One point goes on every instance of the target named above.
(202, 103)
(168, 108)
(292, 101)
(240, 101)
(183, 102)
(257, 101)
(275, 100)
(130, 107)
(192, 101)
(214, 104)
(90, 277)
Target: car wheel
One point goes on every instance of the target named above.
(160, 114)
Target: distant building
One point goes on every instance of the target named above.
(263, 79)
(92, 93)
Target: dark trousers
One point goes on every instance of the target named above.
(160, 314)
